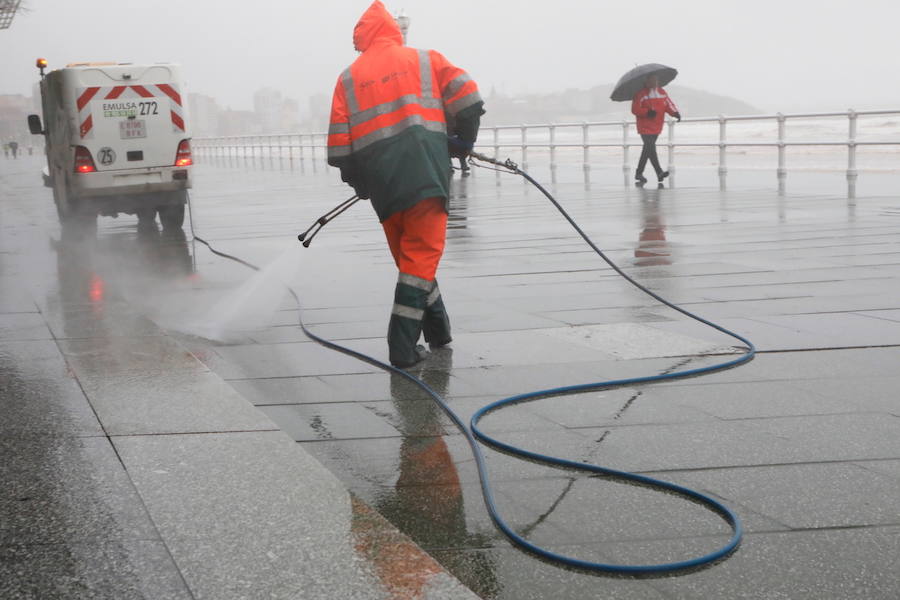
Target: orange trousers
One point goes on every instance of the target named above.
(416, 237)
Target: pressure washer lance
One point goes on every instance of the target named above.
(506, 164)
(306, 237)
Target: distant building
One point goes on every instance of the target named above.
(290, 116)
(319, 109)
(205, 115)
(239, 122)
(276, 113)
(267, 106)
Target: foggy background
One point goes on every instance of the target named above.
(763, 56)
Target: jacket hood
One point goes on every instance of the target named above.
(376, 24)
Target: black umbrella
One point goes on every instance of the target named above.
(633, 81)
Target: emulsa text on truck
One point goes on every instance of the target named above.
(117, 141)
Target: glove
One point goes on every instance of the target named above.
(458, 147)
(361, 191)
(353, 178)
(678, 116)
(651, 114)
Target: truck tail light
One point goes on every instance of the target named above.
(183, 156)
(84, 163)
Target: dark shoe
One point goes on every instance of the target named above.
(661, 176)
(420, 354)
(639, 179)
(440, 344)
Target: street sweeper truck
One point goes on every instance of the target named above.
(117, 141)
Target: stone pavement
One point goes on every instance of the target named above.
(149, 433)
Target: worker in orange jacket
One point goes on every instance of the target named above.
(388, 136)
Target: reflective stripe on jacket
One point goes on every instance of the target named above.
(652, 99)
(389, 114)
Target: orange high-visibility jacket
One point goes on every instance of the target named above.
(389, 114)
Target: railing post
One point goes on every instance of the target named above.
(553, 153)
(782, 170)
(524, 147)
(497, 152)
(585, 142)
(625, 166)
(723, 168)
(671, 167)
(851, 155)
(290, 150)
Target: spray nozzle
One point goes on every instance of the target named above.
(307, 236)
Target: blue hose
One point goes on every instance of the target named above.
(474, 434)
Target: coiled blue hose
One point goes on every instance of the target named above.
(474, 434)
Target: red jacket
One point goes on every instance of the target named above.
(652, 99)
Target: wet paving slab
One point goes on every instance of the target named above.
(800, 442)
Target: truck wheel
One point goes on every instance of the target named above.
(172, 215)
(146, 218)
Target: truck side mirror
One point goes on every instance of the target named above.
(34, 125)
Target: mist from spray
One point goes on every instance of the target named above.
(251, 306)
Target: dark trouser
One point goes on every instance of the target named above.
(649, 152)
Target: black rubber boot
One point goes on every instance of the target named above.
(405, 326)
(436, 325)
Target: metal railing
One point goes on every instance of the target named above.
(554, 137)
(292, 147)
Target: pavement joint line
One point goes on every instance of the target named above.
(298, 376)
(859, 311)
(838, 528)
(658, 538)
(448, 434)
(828, 348)
(173, 433)
(767, 465)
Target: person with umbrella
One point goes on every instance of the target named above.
(643, 85)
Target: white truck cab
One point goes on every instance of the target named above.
(117, 140)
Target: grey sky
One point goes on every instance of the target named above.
(778, 55)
